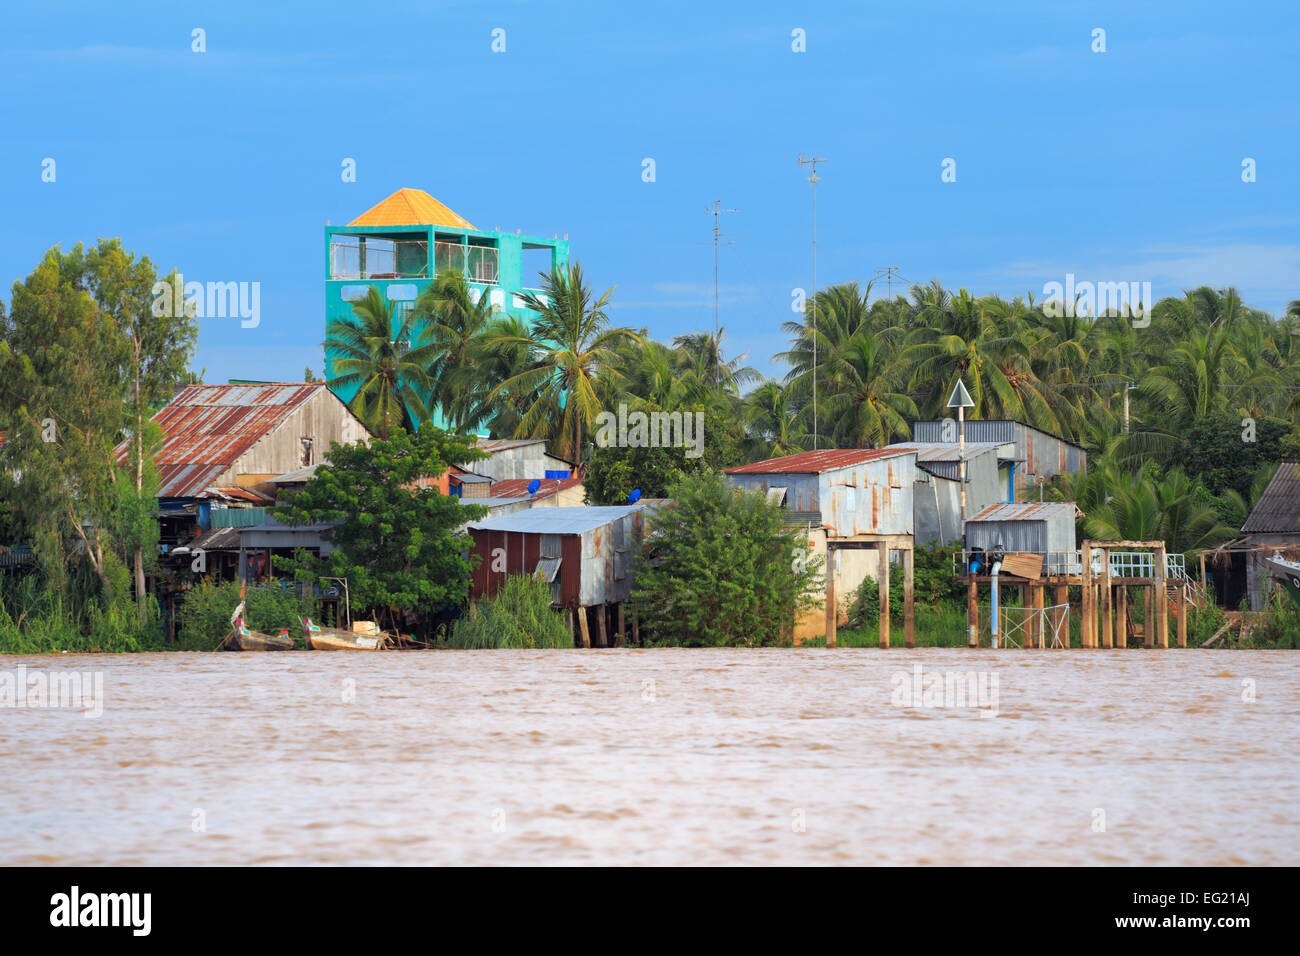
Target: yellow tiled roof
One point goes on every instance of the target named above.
(410, 207)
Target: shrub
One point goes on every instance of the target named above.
(720, 568)
(520, 616)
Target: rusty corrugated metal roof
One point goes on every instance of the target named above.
(518, 487)
(410, 207)
(1026, 511)
(1278, 508)
(207, 427)
(816, 462)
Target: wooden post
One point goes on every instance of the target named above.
(832, 612)
(1107, 632)
(1086, 620)
(621, 639)
(1026, 615)
(882, 552)
(1061, 596)
(972, 612)
(600, 625)
(1121, 616)
(1149, 631)
(1180, 601)
(909, 634)
(636, 626)
(582, 626)
(1040, 620)
(568, 619)
(1162, 597)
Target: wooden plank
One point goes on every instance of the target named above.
(1029, 566)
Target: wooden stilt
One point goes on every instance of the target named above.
(620, 638)
(909, 632)
(568, 619)
(1107, 622)
(636, 627)
(1087, 622)
(600, 625)
(1061, 598)
(1162, 597)
(582, 626)
(1149, 631)
(1026, 616)
(1040, 621)
(1121, 616)
(972, 613)
(882, 553)
(1180, 603)
(832, 612)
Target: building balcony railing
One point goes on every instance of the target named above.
(350, 258)
(1123, 564)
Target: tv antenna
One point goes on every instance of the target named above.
(812, 161)
(720, 238)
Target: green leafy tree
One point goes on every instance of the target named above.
(157, 342)
(719, 568)
(61, 403)
(396, 540)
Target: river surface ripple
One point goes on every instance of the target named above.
(674, 756)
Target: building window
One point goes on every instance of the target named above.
(306, 451)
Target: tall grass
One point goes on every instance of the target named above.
(520, 616)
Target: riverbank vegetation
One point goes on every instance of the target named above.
(519, 616)
(84, 362)
(721, 569)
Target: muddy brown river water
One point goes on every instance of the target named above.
(659, 757)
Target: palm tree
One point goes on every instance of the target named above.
(772, 423)
(453, 322)
(863, 401)
(380, 362)
(572, 355)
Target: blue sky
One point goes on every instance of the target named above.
(1115, 166)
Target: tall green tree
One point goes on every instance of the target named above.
(374, 351)
(572, 348)
(397, 539)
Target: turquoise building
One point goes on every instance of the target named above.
(401, 244)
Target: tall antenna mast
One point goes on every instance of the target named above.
(814, 179)
(889, 272)
(720, 238)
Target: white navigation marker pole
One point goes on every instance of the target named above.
(960, 399)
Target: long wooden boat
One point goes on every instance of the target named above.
(242, 639)
(1287, 573)
(335, 639)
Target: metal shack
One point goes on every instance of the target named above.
(937, 505)
(1045, 528)
(853, 503)
(586, 554)
(1036, 453)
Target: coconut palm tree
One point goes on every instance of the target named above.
(373, 352)
(772, 423)
(452, 323)
(865, 407)
(572, 357)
